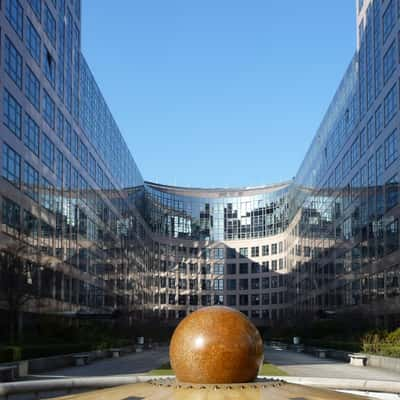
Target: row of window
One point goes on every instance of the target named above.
(221, 253)
(277, 298)
(13, 119)
(253, 314)
(15, 16)
(218, 269)
(218, 284)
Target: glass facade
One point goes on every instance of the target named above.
(70, 188)
(327, 241)
(217, 214)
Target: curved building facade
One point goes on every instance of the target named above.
(72, 194)
(220, 247)
(217, 214)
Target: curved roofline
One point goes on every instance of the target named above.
(218, 192)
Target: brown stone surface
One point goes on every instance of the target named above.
(216, 345)
(146, 391)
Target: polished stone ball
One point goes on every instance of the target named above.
(216, 345)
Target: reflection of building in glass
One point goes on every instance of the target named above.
(327, 241)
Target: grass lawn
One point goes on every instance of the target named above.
(266, 369)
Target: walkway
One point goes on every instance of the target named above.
(300, 364)
(133, 363)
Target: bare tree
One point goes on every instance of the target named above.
(16, 284)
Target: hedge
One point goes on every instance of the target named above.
(26, 352)
(334, 344)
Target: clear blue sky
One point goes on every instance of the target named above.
(218, 92)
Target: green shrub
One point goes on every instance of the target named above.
(38, 351)
(335, 344)
(393, 337)
(10, 353)
(382, 343)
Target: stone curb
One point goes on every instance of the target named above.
(48, 385)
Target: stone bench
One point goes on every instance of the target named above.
(358, 360)
(320, 353)
(8, 373)
(298, 348)
(81, 359)
(115, 353)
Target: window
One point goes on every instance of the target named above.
(77, 8)
(182, 284)
(379, 165)
(68, 138)
(206, 284)
(265, 283)
(243, 252)
(346, 164)
(11, 165)
(31, 135)
(265, 250)
(50, 25)
(218, 269)
(12, 62)
(231, 284)
(32, 88)
(31, 227)
(371, 171)
(231, 300)
(274, 265)
(47, 151)
(389, 19)
(33, 41)
(378, 121)
(84, 161)
(12, 114)
(92, 166)
(36, 6)
(392, 192)
(355, 152)
(219, 253)
(390, 104)
(218, 284)
(265, 299)
(31, 181)
(60, 124)
(390, 149)
(48, 109)
(265, 266)
(255, 251)
(255, 268)
(49, 67)
(389, 62)
(11, 214)
(243, 299)
(255, 283)
(75, 152)
(274, 248)
(231, 269)
(15, 16)
(243, 268)
(47, 195)
(363, 141)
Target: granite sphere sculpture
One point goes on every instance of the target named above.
(216, 345)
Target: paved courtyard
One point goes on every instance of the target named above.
(295, 364)
(134, 363)
(299, 364)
